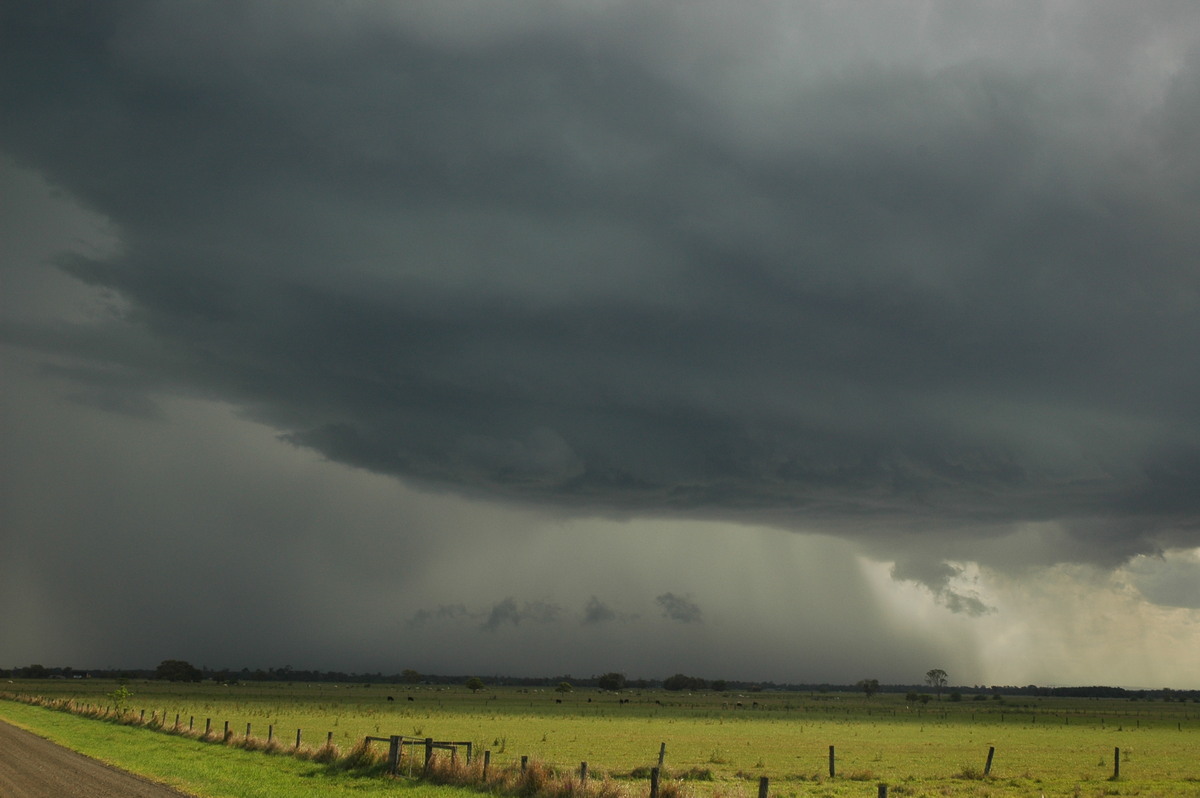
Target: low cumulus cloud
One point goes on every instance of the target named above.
(679, 608)
(945, 582)
(570, 259)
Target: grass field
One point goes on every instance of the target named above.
(723, 743)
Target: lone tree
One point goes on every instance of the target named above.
(869, 686)
(611, 681)
(936, 679)
(474, 684)
(177, 670)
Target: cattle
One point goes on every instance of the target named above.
(391, 698)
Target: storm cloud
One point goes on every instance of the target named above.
(923, 278)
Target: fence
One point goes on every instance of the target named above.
(397, 743)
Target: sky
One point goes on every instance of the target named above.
(767, 341)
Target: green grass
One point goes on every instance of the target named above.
(203, 769)
(1059, 747)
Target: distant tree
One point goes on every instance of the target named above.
(563, 687)
(611, 681)
(409, 676)
(475, 684)
(869, 686)
(719, 685)
(682, 682)
(936, 679)
(925, 698)
(911, 697)
(177, 670)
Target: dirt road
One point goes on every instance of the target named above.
(31, 767)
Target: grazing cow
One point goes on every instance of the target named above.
(391, 698)
(558, 700)
(410, 698)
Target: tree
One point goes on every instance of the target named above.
(936, 679)
(563, 687)
(611, 681)
(475, 684)
(409, 676)
(869, 686)
(177, 670)
(120, 698)
(681, 682)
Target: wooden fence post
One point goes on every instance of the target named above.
(762, 787)
(662, 754)
(207, 726)
(524, 762)
(832, 768)
(270, 733)
(583, 773)
(987, 769)
(470, 751)
(653, 782)
(1116, 764)
(191, 722)
(297, 738)
(394, 754)
(225, 734)
(247, 731)
(487, 761)
(882, 791)
(428, 751)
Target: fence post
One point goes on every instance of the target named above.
(297, 738)
(653, 782)
(832, 769)
(583, 773)
(225, 734)
(207, 726)
(487, 761)
(247, 731)
(882, 791)
(470, 747)
(762, 787)
(662, 754)
(270, 732)
(428, 751)
(1116, 764)
(987, 769)
(524, 762)
(394, 754)
(191, 721)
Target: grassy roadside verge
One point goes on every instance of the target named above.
(205, 770)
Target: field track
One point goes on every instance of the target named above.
(31, 767)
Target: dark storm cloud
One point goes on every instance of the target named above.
(541, 264)
(679, 608)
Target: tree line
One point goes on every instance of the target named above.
(181, 670)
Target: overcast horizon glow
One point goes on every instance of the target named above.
(788, 342)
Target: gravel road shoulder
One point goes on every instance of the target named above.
(32, 767)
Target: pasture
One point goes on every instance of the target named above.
(722, 743)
